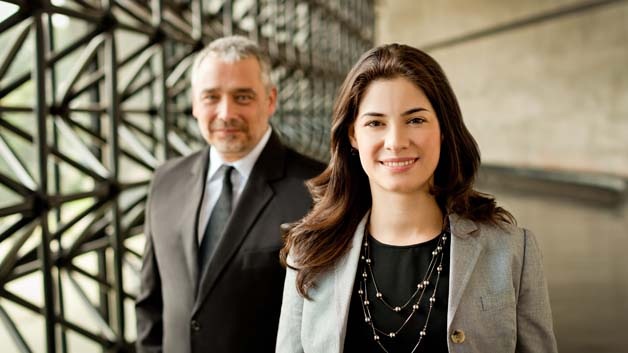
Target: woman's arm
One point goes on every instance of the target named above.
(289, 333)
(535, 332)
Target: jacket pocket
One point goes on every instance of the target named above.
(496, 301)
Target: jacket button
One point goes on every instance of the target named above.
(195, 325)
(457, 336)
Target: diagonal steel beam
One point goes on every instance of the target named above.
(16, 165)
(81, 64)
(9, 55)
(91, 311)
(11, 256)
(15, 334)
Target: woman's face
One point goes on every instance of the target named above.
(397, 135)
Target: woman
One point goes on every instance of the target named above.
(399, 253)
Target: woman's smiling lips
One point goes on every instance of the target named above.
(398, 164)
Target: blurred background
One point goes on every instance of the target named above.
(94, 94)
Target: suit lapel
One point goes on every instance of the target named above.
(255, 196)
(344, 280)
(465, 250)
(194, 189)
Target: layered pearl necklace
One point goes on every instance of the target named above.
(434, 269)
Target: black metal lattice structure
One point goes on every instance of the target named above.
(94, 94)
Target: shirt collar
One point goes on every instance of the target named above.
(245, 165)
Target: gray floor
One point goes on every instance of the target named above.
(584, 240)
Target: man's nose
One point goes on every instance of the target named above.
(225, 109)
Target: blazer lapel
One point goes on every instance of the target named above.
(256, 194)
(465, 250)
(344, 280)
(190, 213)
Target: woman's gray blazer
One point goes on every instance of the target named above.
(498, 299)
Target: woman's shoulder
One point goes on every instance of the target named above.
(502, 229)
(504, 233)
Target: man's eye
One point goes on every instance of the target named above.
(243, 98)
(211, 97)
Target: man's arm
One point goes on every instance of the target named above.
(149, 304)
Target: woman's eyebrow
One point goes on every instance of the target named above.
(372, 114)
(414, 110)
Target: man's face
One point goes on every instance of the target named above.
(231, 105)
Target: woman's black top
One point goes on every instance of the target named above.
(397, 271)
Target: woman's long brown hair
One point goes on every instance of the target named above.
(341, 193)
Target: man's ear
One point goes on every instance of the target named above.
(194, 104)
(272, 100)
(194, 108)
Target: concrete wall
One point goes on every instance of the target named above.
(550, 94)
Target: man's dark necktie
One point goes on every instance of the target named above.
(217, 220)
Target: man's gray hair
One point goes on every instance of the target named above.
(235, 48)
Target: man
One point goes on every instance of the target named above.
(211, 279)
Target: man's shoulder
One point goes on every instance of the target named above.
(300, 163)
(181, 164)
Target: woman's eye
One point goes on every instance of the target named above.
(373, 123)
(416, 121)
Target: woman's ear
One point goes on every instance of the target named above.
(352, 139)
